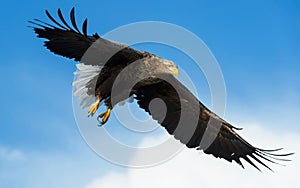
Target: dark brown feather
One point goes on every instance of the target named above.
(84, 28)
(62, 39)
(61, 17)
(69, 42)
(73, 21)
(54, 21)
(227, 145)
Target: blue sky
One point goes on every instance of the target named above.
(256, 44)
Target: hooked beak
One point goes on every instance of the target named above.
(175, 72)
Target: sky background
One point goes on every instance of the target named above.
(255, 43)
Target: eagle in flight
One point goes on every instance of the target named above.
(100, 63)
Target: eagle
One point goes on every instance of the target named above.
(100, 62)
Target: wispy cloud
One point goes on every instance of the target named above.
(50, 169)
(194, 169)
(7, 154)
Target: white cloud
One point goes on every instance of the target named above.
(193, 169)
(11, 154)
(36, 169)
(112, 180)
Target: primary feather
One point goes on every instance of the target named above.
(95, 77)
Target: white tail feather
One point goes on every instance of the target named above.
(83, 75)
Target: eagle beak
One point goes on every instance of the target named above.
(175, 72)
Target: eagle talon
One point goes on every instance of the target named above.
(100, 124)
(104, 117)
(94, 107)
(100, 120)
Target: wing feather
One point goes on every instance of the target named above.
(84, 28)
(227, 144)
(54, 21)
(61, 17)
(70, 42)
(73, 21)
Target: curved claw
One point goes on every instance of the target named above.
(104, 117)
(94, 107)
(98, 118)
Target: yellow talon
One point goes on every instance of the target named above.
(94, 107)
(104, 116)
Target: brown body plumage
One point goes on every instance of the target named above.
(113, 57)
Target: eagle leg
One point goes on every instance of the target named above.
(94, 107)
(104, 117)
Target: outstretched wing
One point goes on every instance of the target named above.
(99, 57)
(62, 39)
(200, 125)
(69, 41)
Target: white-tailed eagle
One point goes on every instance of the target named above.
(97, 72)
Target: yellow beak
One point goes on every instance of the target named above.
(175, 72)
